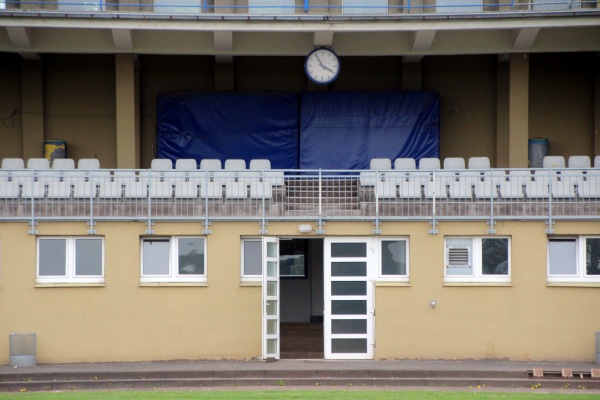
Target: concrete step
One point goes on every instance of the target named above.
(168, 379)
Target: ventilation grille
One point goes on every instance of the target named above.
(458, 257)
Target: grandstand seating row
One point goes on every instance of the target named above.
(160, 181)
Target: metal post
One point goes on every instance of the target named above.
(263, 222)
(320, 222)
(32, 222)
(376, 231)
(149, 223)
(492, 223)
(550, 221)
(306, 6)
(206, 223)
(433, 229)
(91, 222)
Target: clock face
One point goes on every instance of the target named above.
(322, 66)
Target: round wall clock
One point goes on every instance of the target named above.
(322, 65)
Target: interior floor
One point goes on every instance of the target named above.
(302, 340)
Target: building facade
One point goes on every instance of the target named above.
(386, 276)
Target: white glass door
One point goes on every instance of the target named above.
(270, 298)
(349, 305)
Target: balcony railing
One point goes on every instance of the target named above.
(274, 195)
(287, 8)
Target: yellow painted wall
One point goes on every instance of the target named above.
(123, 321)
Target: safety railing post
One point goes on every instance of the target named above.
(434, 229)
(263, 222)
(32, 222)
(149, 222)
(377, 230)
(91, 222)
(306, 6)
(320, 221)
(550, 221)
(491, 222)
(206, 222)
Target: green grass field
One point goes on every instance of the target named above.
(298, 394)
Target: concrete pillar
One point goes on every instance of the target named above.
(597, 108)
(32, 101)
(412, 75)
(518, 111)
(502, 80)
(127, 113)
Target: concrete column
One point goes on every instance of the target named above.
(32, 103)
(127, 113)
(502, 80)
(597, 109)
(412, 75)
(518, 111)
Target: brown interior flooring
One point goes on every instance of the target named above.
(302, 340)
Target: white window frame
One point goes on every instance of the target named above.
(70, 259)
(247, 278)
(381, 277)
(476, 261)
(581, 275)
(173, 276)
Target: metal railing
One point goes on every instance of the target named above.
(292, 8)
(275, 195)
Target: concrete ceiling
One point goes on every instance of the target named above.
(224, 38)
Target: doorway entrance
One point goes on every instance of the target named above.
(320, 304)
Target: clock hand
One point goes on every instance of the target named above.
(323, 65)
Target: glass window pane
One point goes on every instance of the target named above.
(272, 327)
(349, 288)
(494, 253)
(271, 7)
(349, 346)
(272, 268)
(191, 256)
(346, 326)
(81, 5)
(88, 257)
(393, 257)
(349, 249)
(348, 269)
(271, 288)
(252, 257)
(562, 256)
(458, 6)
(155, 257)
(272, 307)
(272, 249)
(176, 6)
(349, 307)
(53, 257)
(365, 6)
(592, 256)
(271, 346)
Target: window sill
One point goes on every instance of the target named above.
(251, 284)
(173, 284)
(392, 284)
(68, 285)
(574, 284)
(477, 284)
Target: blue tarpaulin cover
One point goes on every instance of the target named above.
(327, 130)
(345, 130)
(229, 126)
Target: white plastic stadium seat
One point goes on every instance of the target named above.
(13, 163)
(186, 164)
(258, 190)
(236, 190)
(38, 163)
(260, 164)
(88, 163)
(554, 162)
(454, 163)
(581, 162)
(386, 190)
(479, 163)
(428, 164)
(63, 163)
